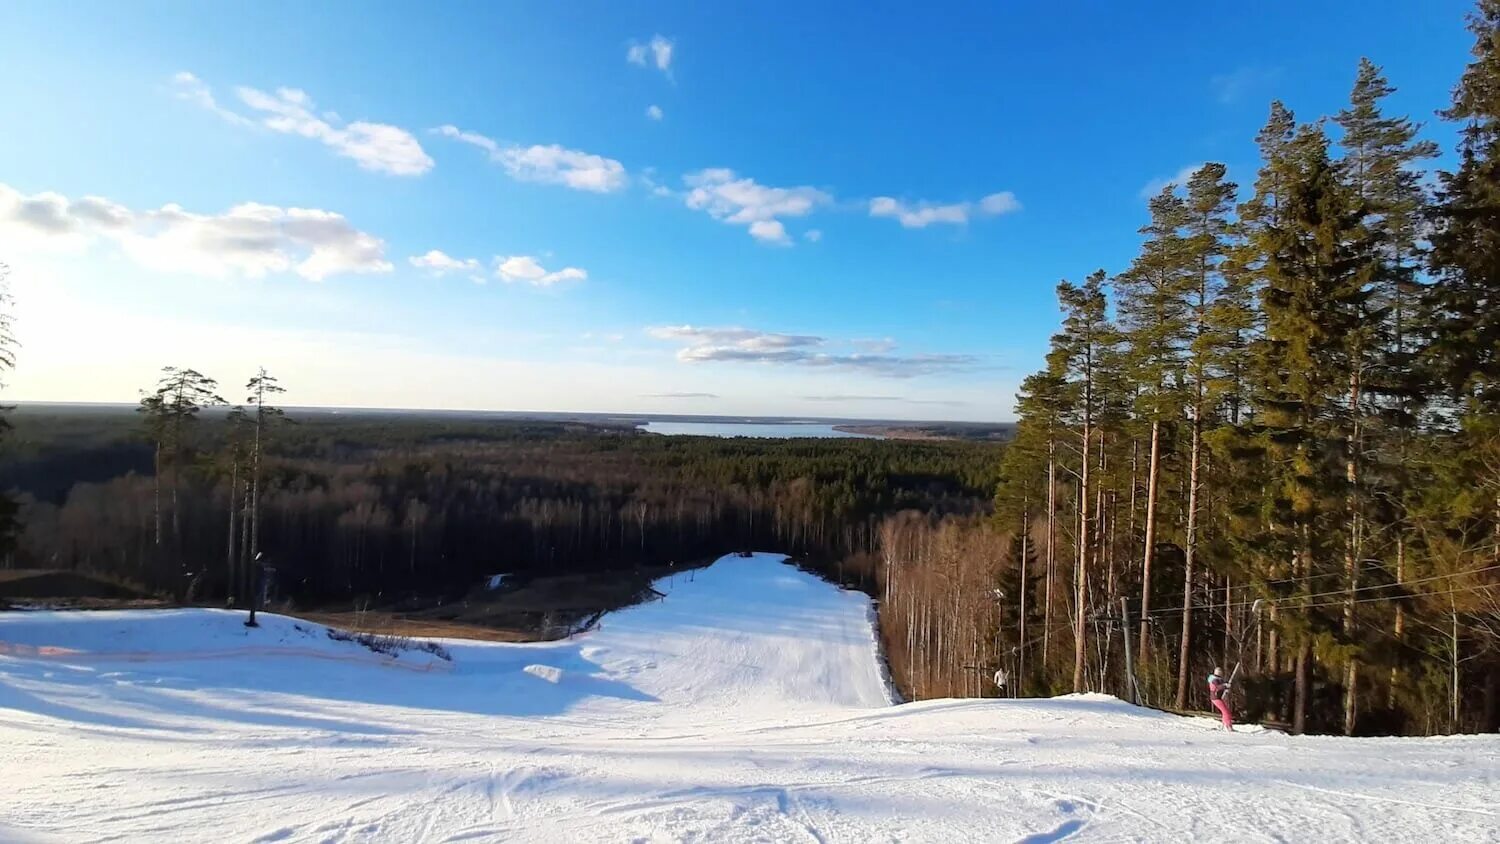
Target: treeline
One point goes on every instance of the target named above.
(387, 507)
(1272, 442)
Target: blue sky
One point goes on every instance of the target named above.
(840, 209)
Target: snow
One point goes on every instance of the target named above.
(748, 705)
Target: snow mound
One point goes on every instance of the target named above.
(545, 672)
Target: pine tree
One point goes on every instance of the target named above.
(1211, 329)
(170, 411)
(1150, 298)
(262, 386)
(1028, 486)
(1082, 344)
(237, 423)
(10, 526)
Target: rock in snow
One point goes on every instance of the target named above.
(747, 705)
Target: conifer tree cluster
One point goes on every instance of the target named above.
(1273, 440)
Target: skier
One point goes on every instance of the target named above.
(1218, 690)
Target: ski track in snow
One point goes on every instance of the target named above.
(747, 706)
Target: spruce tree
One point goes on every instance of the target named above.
(1318, 267)
(1379, 166)
(1463, 310)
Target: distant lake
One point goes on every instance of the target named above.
(776, 430)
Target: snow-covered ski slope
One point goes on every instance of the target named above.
(747, 706)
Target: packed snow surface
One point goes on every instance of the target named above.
(748, 705)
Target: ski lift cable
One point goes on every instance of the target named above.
(1295, 601)
(1322, 575)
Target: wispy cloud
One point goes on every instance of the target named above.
(921, 214)
(657, 52)
(249, 240)
(745, 345)
(654, 112)
(893, 399)
(525, 269)
(189, 88)
(379, 147)
(548, 164)
(730, 198)
(748, 339)
(1235, 85)
(489, 145)
(1178, 179)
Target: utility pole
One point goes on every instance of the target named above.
(1135, 687)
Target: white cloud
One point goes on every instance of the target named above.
(996, 204)
(526, 269)
(550, 164)
(745, 345)
(1178, 179)
(439, 263)
(770, 231)
(374, 146)
(741, 201)
(554, 164)
(747, 339)
(187, 87)
(812, 235)
(472, 138)
(657, 51)
(249, 240)
(901, 399)
(654, 112)
(922, 214)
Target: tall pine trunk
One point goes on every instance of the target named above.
(1081, 581)
(156, 491)
(1152, 476)
(1184, 654)
(1020, 678)
(1302, 683)
(1051, 547)
(1353, 552)
(230, 568)
(255, 475)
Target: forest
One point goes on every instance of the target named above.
(179, 496)
(1273, 440)
(1270, 443)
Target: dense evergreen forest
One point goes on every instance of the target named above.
(1271, 442)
